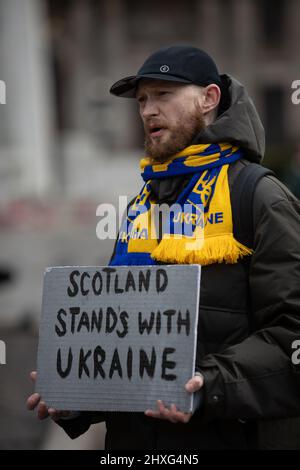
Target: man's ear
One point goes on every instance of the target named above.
(211, 98)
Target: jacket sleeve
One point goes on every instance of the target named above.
(257, 378)
(79, 425)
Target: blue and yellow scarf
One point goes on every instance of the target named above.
(199, 229)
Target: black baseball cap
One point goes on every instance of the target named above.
(184, 64)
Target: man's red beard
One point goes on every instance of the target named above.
(181, 136)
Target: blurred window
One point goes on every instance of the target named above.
(273, 98)
(272, 14)
(162, 21)
(227, 31)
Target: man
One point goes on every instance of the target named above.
(201, 131)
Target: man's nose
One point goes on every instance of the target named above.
(150, 108)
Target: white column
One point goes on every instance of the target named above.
(119, 66)
(245, 24)
(26, 116)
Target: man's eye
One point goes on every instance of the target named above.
(161, 93)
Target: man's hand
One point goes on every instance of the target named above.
(172, 414)
(35, 401)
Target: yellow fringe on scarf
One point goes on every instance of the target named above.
(221, 249)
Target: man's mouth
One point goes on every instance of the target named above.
(156, 131)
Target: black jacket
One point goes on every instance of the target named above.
(249, 316)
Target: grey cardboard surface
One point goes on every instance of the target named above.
(118, 338)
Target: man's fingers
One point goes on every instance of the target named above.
(33, 375)
(165, 412)
(171, 414)
(55, 414)
(155, 413)
(58, 414)
(162, 413)
(194, 384)
(33, 401)
(160, 406)
(180, 416)
(152, 413)
(42, 410)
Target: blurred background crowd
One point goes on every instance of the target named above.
(66, 145)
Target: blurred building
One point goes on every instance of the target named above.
(255, 40)
(60, 128)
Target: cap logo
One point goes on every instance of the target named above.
(164, 68)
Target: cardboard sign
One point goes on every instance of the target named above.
(118, 338)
